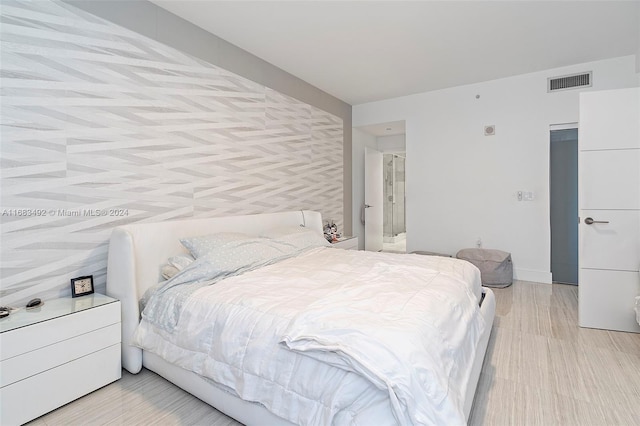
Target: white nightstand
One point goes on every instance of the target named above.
(347, 243)
(56, 353)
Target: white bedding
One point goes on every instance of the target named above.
(391, 335)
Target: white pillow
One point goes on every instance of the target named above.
(168, 271)
(302, 238)
(176, 264)
(181, 261)
(200, 246)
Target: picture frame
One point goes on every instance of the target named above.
(81, 286)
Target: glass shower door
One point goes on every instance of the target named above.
(394, 197)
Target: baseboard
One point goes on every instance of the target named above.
(531, 275)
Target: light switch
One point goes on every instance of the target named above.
(526, 196)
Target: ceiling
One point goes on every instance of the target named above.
(362, 51)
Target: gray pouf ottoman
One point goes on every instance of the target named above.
(495, 265)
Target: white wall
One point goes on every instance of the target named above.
(360, 140)
(462, 185)
(393, 143)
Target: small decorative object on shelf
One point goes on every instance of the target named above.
(331, 231)
(34, 303)
(81, 286)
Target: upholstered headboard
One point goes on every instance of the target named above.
(137, 252)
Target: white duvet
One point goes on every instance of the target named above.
(336, 337)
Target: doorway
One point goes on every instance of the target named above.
(563, 181)
(371, 144)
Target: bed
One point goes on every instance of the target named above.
(318, 344)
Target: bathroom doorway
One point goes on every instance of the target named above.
(372, 179)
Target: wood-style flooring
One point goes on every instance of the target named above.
(540, 369)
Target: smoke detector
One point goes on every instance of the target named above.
(490, 130)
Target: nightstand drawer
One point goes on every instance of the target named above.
(30, 398)
(42, 359)
(39, 335)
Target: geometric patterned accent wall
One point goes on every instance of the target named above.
(102, 126)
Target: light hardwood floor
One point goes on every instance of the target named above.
(540, 369)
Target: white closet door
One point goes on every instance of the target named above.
(609, 202)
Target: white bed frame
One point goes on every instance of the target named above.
(136, 254)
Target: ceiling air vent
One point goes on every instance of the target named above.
(569, 82)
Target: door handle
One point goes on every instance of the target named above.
(362, 219)
(590, 221)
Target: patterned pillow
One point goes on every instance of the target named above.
(248, 253)
(235, 257)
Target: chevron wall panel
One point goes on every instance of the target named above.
(101, 126)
